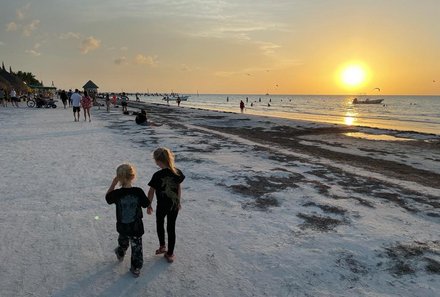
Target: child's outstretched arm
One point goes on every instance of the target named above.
(150, 197)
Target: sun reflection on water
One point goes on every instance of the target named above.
(350, 118)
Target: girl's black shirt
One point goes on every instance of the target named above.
(166, 184)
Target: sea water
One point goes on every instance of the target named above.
(404, 113)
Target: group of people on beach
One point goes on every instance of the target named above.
(11, 97)
(129, 201)
(77, 101)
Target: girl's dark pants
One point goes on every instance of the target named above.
(171, 214)
(137, 259)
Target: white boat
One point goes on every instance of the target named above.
(175, 97)
(367, 101)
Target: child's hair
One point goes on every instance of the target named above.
(126, 173)
(165, 156)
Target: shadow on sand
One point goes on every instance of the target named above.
(108, 282)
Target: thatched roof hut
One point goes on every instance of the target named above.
(90, 86)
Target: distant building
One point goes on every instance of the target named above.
(91, 88)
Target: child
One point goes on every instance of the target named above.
(166, 183)
(129, 201)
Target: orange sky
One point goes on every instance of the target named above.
(295, 47)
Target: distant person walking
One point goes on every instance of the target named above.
(124, 103)
(241, 106)
(86, 103)
(14, 99)
(166, 183)
(76, 103)
(129, 202)
(64, 98)
(69, 94)
(107, 102)
(178, 101)
(3, 98)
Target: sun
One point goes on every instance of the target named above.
(353, 75)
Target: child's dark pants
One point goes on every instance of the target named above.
(137, 259)
(171, 214)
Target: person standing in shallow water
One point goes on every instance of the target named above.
(166, 183)
(241, 106)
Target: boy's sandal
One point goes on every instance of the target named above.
(135, 271)
(161, 250)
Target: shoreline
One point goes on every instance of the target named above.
(366, 129)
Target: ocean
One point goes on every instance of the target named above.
(404, 113)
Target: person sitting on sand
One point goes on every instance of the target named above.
(141, 118)
(241, 106)
(129, 202)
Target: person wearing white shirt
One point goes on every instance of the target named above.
(76, 103)
(14, 99)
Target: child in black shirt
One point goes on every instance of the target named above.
(129, 201)
(166, 184)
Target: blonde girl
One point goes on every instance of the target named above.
(166, 183)
(129, 202)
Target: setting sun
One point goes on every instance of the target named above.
(353, 75)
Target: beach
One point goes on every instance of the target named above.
(271, 206)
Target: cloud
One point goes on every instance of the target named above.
(145, 60)
(21, 12)
(120, 61)
(70, 35)
(268, 48)
(33, 53)
(90, 44)
(2, 43)
(12, 26)
(185, 67)
(124, 48)
(32, 26)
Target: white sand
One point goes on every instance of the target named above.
(57, 233)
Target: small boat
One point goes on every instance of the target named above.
(175, 97)
(367, 101)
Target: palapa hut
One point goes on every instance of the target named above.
(91, 88)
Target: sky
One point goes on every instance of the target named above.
(226, 46)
